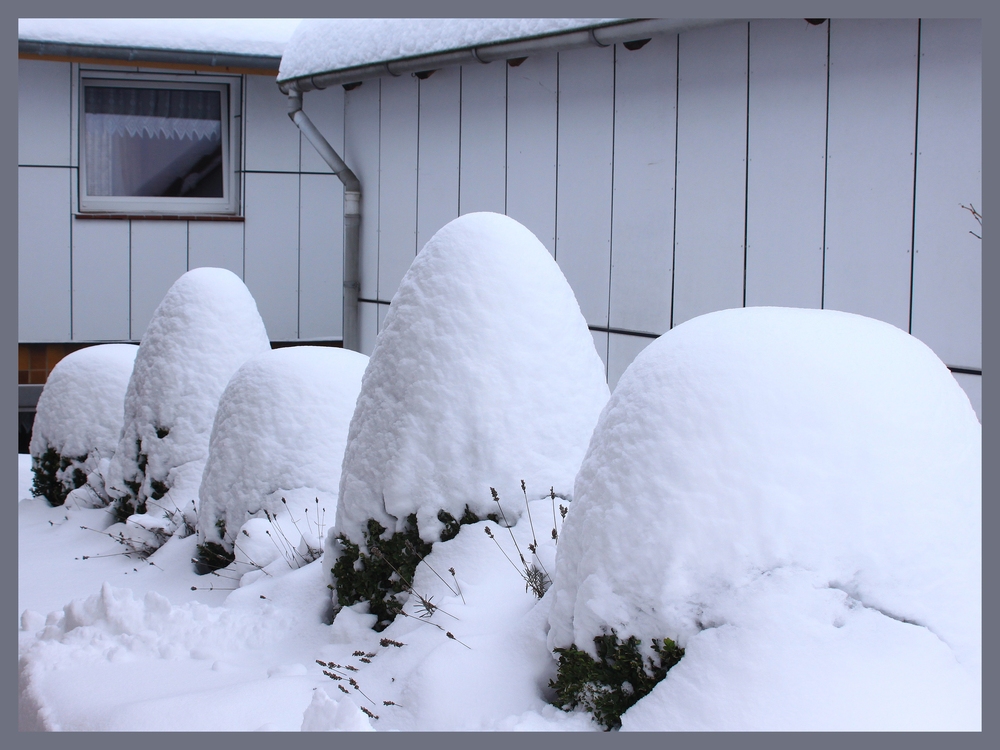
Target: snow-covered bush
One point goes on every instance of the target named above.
(794, 496)
(206, 327)
(78, 420)
(484, 374)
(278, 443)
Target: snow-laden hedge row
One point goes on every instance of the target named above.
(78, 420)
(278, 443)
(794, 497)
(206, 327)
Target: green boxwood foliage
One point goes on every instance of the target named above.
(388, 567)
(46, 481)
(608, 687)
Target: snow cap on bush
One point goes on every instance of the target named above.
(484, 374)
(280, 432)
(752, 440)
(79, 415)
(206, 327)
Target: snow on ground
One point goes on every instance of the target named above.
(319, 45)
(278, 441)
(250, 36)
(794, 496)
(484, 374)
(206, 327)
(113, 644)
(80, 412)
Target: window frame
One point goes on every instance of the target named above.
(230, 88)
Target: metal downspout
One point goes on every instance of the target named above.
(352, 216)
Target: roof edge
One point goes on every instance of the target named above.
(600, 35)
(148, 55)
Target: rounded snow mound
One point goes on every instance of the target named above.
(280, 432)
(206, 327)
(484, 374)
(79, 416)
(755, 440)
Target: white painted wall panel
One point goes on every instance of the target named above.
(100, 280)
(397, 242)
(271, 250)
(437, 152)
(531, 145)
(321, 254)
(873, 87)
(216, 244)
(973, 387)
(621, 351)
(361, 154)
(643, 218)
(382, 310)
(43, 104)
(711, 170)
(586, 141)
(787, 151)
(483, 161)
(947, 273)
(368, 326)
(272, 140)
(43, 254)
(158, 252)
(601, 344)
(326, 110)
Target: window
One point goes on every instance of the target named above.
(158, 145)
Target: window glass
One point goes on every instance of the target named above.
(153, 142)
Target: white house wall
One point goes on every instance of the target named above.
(100, 280)
(769, 163)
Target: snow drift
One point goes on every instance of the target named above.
(79, 416)
(280, 432)
(206, 327)
(795, 497)
(484, 374)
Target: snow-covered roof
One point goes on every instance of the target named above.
(327, 44)
(236, 36)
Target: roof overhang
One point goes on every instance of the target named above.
(170, 58)
(600, 36)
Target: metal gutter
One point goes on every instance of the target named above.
(599, 36)
(146, 55)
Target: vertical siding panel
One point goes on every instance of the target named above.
(271, 250)
(482, 159)
(531, 146)
(711, 171)
(272, 140)
(326, 110)
(787, 149)
(100, 280)
(601, 344)
(361, 144)
(873, 87)
(368, 326)
(586, 141)
(159, 257)
(43, 254)
(44, 103)
(947, 274)
(643, 226)
(973, 387)
(397, 243)
(216, 244)
(437, 183)
(321, 254)
(621, 351)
